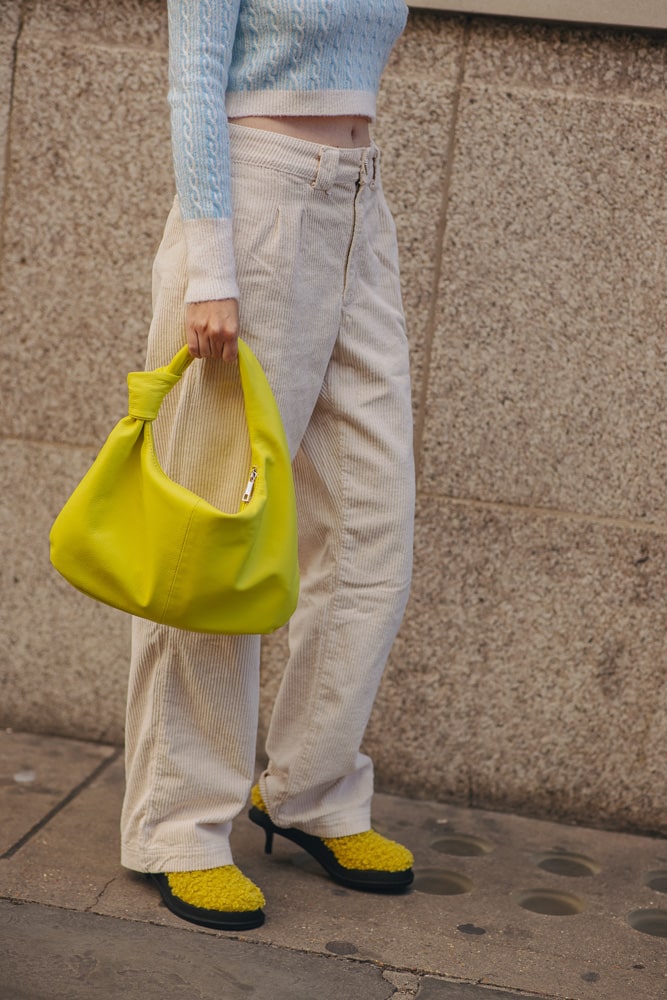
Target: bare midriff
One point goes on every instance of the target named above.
(344, 131)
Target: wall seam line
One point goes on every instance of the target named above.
(86, 40)
(512, 87)
(93, 446)
(6, 152)
(450, 152)
(605, 521)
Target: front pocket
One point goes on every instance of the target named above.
(267, 241)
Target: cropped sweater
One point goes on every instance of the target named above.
(259, 57)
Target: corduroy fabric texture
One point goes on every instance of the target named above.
(320, 307)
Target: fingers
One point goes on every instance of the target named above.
(230, 351)
(212, 329)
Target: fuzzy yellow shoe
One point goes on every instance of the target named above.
(366, 860)
(213, 897)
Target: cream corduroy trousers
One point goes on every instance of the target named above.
(320, 306)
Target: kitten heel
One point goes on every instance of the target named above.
(268, 843)
(365, 861)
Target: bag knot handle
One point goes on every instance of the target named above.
(146, 390)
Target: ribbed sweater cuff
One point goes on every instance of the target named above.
(300, 102)
(211, 266)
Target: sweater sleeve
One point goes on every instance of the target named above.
(201, 38)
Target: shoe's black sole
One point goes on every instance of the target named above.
(220, 920)
(351, 878)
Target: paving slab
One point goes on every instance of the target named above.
(439, 989)
(74, 961)
(501, 904)
(37, 775)
(83, 956)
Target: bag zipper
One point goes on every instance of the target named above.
(250, 485)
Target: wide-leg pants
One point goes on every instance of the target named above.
(320, 306)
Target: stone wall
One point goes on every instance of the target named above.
(526, 167)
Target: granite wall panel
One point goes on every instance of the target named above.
(529, 672)
(63, 657)
(547, 385)
(88, 189)
(592, 61)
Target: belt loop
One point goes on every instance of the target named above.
(375, 155)
(363, 168)
(327, 167)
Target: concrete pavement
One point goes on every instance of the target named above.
(503, 906)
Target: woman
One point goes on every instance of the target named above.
(279, 232)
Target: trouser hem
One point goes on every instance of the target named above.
(168, 862)
(341, 827)
(332, 825)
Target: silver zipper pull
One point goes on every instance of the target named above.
(250, 486)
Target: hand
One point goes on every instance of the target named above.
(213, 329)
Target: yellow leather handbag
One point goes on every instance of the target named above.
(133, 538)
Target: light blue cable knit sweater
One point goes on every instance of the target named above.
(259, 57)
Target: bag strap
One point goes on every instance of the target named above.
(180, 361)
(146, 390)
